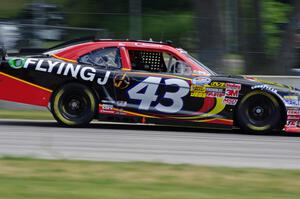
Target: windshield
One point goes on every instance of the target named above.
(195, 61)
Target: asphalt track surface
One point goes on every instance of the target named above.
(116, 142)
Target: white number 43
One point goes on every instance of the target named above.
(151, 84)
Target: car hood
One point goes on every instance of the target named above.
(272, 84)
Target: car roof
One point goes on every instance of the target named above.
(75, 48)
(71, 51)
(84, 40)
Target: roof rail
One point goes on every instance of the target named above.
(168, 42)
(93, 38)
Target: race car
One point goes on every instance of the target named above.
(143, 82)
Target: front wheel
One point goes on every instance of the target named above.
(259, 112)
(73, 105)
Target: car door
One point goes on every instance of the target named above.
(149, 88)
(107, 62)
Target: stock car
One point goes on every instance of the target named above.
(143, 82)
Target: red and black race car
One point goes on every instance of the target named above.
(143, 82)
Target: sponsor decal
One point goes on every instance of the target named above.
(16, 63)
(208, 90)
(198, 94)
(233, 86)
(76, 71)
(217, 84)
(293, 117)
(121, 81)
(232, 93)
(203, 91)
(291, 97)
(200, 81)
(291, 100)
(292, 123)
(217, 90)
(230, 101)
(264, 87)
(293, 112)
(214, 94)
(112, 102)
(121, 103)
(106, 108)
(198, 91)
(197, 88)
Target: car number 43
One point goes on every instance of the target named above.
(150, 86)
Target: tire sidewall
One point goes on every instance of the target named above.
(67, 89)
(244, 122)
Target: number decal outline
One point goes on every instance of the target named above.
(150, 85)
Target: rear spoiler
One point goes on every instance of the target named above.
(24, 52)
(32, 51)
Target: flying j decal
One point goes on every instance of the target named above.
(145, 93)
(16, 63)
(85, 73)
(121, 81)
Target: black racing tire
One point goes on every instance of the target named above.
(73, 105)
(259, 112)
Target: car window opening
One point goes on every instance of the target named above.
(105, 57)
(161, 62)
(148, 61)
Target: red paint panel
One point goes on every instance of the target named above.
(221, 121)
(208, 104)
(289, 129)
(16, 90)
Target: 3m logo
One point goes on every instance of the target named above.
(231, 93)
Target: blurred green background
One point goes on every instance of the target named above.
(231, 36)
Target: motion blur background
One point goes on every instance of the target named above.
(230, 36)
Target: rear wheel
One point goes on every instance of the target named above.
(73, 105)
(259, 112)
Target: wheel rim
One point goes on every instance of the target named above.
(260, 110)
(74, 105)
